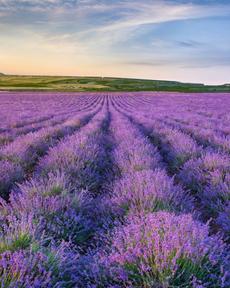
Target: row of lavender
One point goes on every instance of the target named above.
(19, 156)
(196, 154)
(45, 224)
(159, 240)
(20, 116)
(21, 109)
(99, 206)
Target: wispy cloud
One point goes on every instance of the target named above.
(160, 11)
(192, 62)
(189, 44)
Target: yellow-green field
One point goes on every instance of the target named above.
(68, 83)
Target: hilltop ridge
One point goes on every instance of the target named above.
(85, 83)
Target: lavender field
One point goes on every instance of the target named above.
(114, 190)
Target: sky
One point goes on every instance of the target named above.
(179, 40)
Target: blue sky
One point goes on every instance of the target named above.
(176, 39)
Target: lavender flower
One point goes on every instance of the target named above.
(150, 191)
(162, 249)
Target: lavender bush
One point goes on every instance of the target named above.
(164, 250)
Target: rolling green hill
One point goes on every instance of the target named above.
(68, 83)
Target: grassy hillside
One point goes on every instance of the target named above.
(62, 83)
